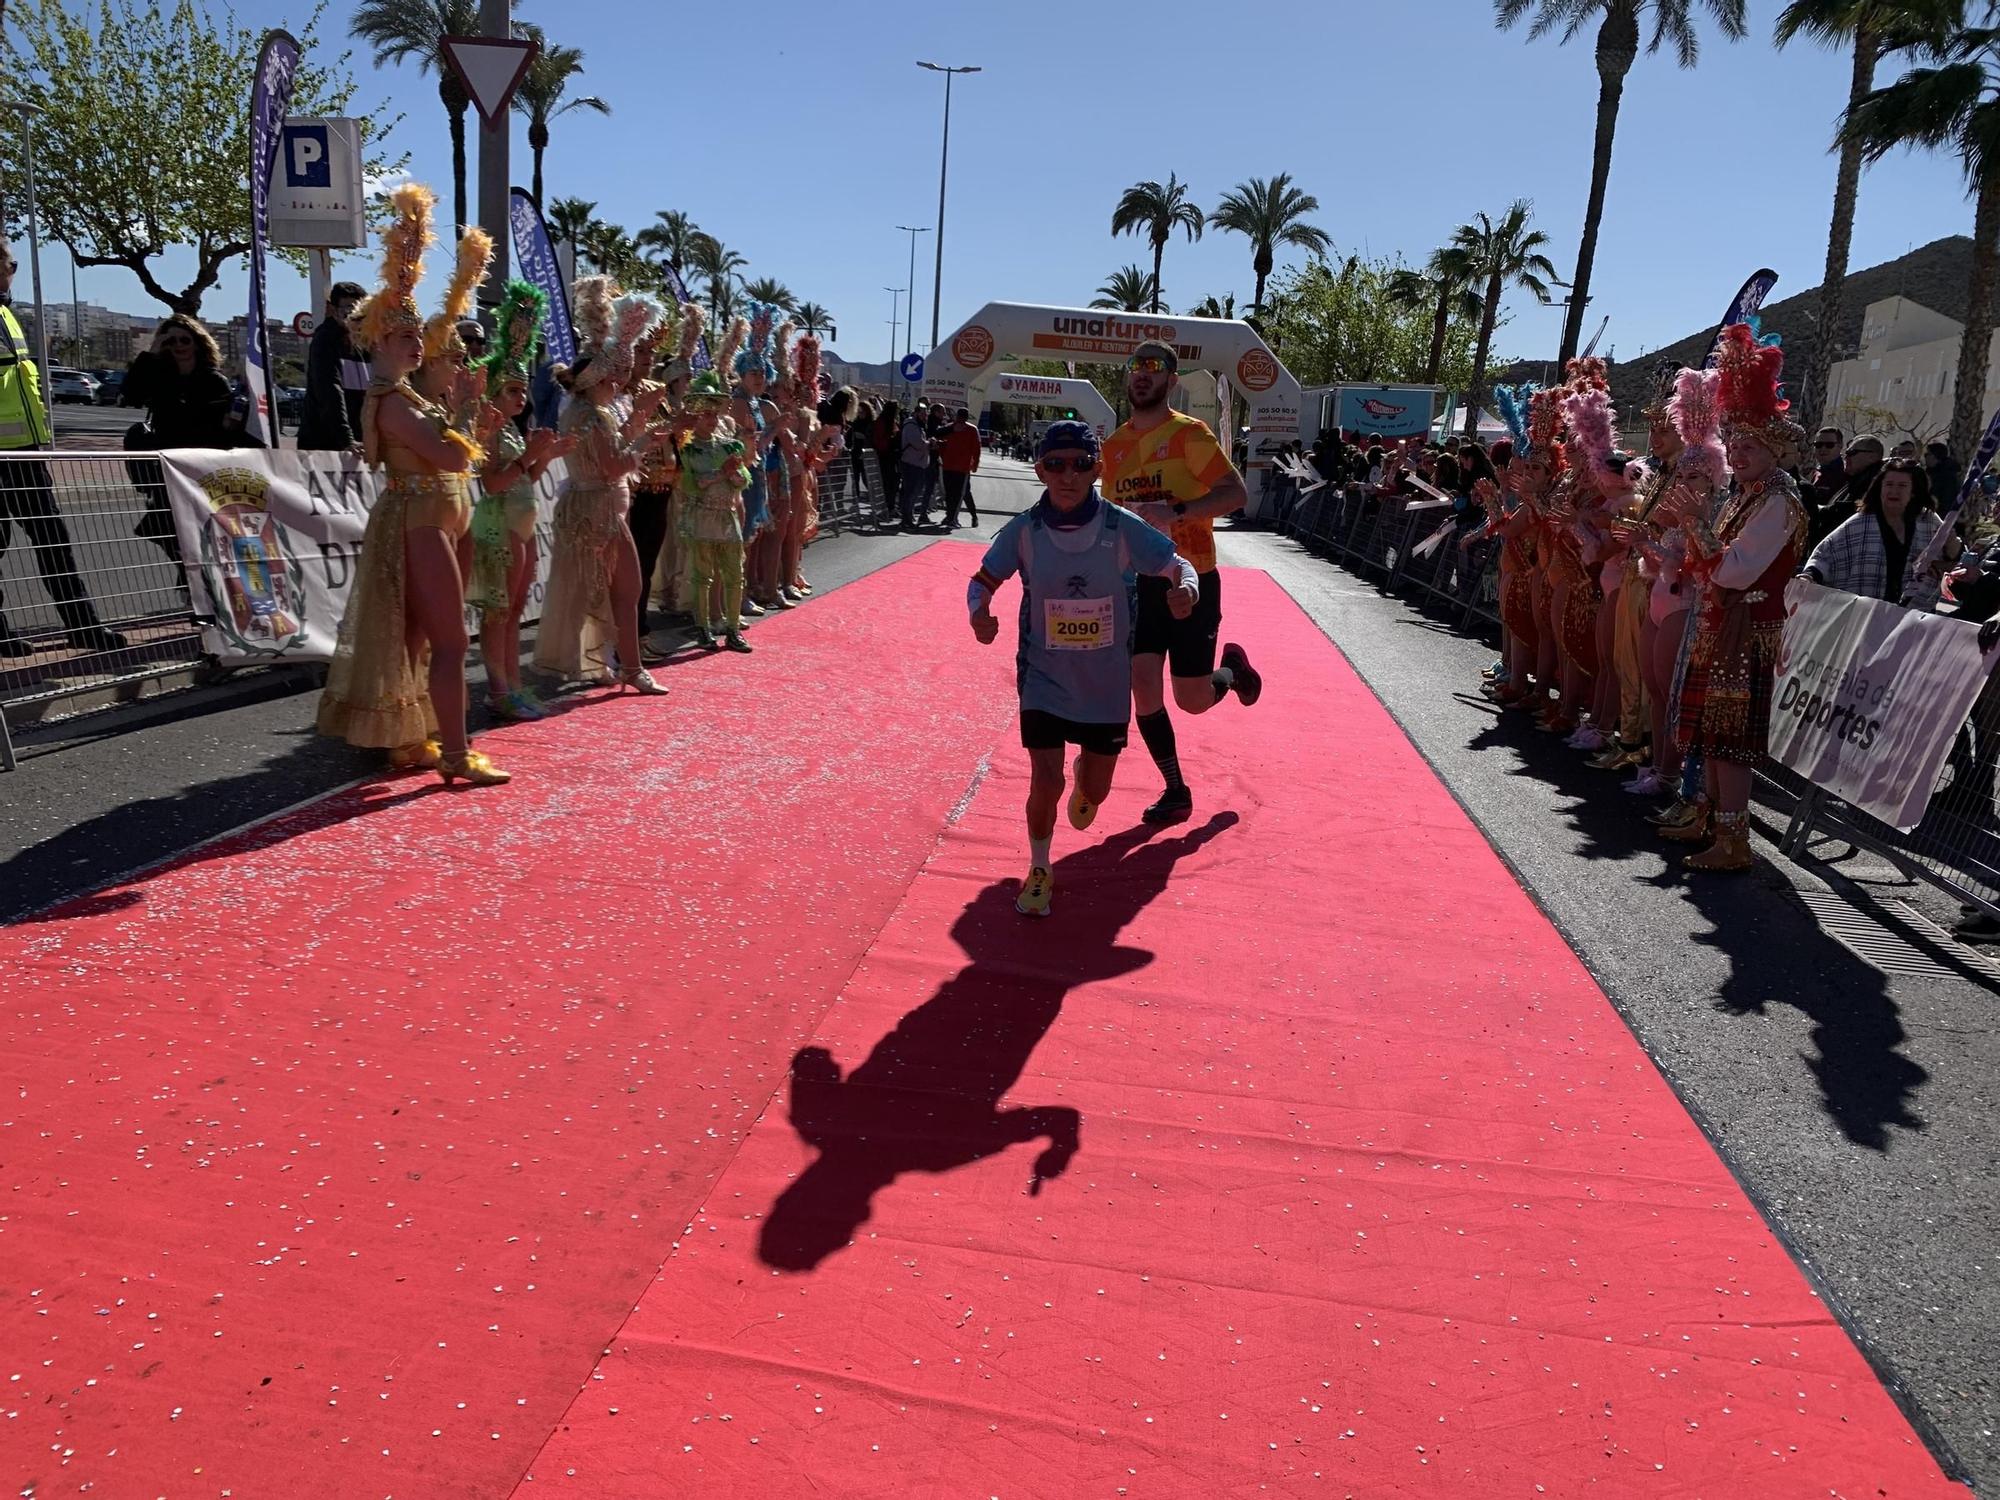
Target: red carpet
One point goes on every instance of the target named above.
(315, 1179)
(332, 1158)
(1355, 1208)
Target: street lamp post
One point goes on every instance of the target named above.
(910, 333)
(895, 319)
(944, 161)
(28, 113)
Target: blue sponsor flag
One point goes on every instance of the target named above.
(536, 255)
(1748, 300)
(270, 102)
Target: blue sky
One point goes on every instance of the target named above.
(803, 141)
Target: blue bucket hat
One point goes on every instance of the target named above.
(1062, 436)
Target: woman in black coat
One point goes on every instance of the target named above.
(179, 382)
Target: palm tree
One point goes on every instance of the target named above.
(673, 234)
(718, 268)
(414, 31)
(1952, 103)
(1505, 254)
(1869, 28)
(611, 250)
(770, 289)
(1445, 287)
(1268, 213)
(812, 318)
(1130, 289)
(570, 219)
(541, 96)
(1208, 307)
(1617, 50)
(1157, 212)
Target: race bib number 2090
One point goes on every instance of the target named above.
(1077, 624)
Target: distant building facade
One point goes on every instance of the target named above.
(1900, 381)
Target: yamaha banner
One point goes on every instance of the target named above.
(1748, 301)
(270, 101)
(536, 254)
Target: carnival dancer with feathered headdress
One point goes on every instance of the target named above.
(716, 473)
(503, 523)
(1739, 566)
(1511, 506)
(784, 473)
(594, 587)
(651, 515)
(410, 585)
(756, 417)
(1686, 470)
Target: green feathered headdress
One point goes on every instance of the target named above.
(517, 327)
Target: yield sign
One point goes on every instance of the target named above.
(491, 68)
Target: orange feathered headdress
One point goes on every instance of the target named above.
(394, 308)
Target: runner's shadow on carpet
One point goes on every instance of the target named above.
(927, 1099)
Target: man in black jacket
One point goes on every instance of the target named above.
(336, 376)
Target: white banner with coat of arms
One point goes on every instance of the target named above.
(1868, 697)
(270, 542)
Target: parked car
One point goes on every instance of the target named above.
(292, 402)
(110, 388)
(72, 386)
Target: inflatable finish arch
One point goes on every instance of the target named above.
(1008, 389)
(1096, 336)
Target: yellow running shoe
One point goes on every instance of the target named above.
(1082, 811)
(1035, 893)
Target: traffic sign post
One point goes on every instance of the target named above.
(912, 368)
(491, 68)
(315, 197)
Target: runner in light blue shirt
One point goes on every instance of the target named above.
(1077, 555)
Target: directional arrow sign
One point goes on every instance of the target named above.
(491, 68)
(912, 368)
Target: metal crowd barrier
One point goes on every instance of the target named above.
(92, 597)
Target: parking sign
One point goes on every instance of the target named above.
(315, 197)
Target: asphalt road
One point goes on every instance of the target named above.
(1857, 1107)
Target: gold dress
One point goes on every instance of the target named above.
(377, 694)
(577, 620)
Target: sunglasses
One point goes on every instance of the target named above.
(1826, 445)
(1069, 465)
(1152, 364)
(179, 341)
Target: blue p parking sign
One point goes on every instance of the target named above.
(307, 164)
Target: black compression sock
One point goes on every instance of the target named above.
(1157, 730)
(1222, 680)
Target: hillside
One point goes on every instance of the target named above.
(1934, 275)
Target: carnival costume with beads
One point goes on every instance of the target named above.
(377, 693)
(503, 517)
(1741, 564)
(715, 471)
(589, 527)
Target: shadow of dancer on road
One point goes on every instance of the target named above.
(928, 1097)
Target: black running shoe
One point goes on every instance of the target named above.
(1176, 805)
(1249, 684)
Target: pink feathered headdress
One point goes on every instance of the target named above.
(1696, 413)
(1592, 430)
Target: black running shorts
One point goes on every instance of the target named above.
(1046, 731)
(1188, 645)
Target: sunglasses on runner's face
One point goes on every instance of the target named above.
(1152, 364)
(1078, 465)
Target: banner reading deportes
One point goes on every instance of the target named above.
(1869, 697)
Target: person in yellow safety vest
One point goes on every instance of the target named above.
(27, 494)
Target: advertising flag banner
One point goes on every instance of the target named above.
(271, 539)
(1868, 697)
(535, 254)
(1743, 306)
(270, 100)
(1384, 411)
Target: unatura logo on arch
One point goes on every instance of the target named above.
(1068, 333)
